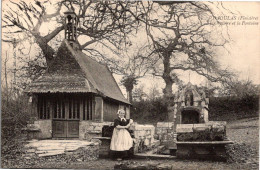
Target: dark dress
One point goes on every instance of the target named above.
(121, 141)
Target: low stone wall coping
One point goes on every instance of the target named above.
(216, 123)
(164, 124)
(94, 132)
(31, 129)
(142, 127)
(185, 128)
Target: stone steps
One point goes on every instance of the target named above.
(155, 150)
(143, 166)
(153, 156)
(43, 148)
(51, 153)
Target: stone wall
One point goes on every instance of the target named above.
(186, 128)
(89, 129)
(210, 131)
(165, 132)
(167, 135)
(45, 127)
(143, 136)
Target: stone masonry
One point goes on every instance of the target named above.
(143, 136)
(165, 133)
(89, 129)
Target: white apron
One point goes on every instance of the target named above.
(121, 140)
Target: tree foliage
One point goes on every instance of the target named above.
(106, 22)
(239, 88)
(184, 38)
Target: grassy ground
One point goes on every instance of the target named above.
(245, 134)
(243, 154)
(244, 131)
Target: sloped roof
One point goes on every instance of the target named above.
(180, 96)
(73, 71)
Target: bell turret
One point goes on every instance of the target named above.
(71, 25)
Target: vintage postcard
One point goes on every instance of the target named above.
(93, 84)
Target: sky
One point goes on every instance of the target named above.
(244, 47)
(243, 50)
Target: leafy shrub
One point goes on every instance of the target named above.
(149, 111)
(231, 107)
(220, 108)
(15, 113)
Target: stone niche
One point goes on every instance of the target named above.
(190, 106)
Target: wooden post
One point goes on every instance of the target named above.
(99, 109)
(87, 109)
(81, 108)
(34, 106)
(66, 102)
(93, 107)
(128, 112)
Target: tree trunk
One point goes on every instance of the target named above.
(167, 76)
(47, 50)
(168, 87)
(6, 82)
(167, 91)
(129, 95)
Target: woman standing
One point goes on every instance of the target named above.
(121, 141)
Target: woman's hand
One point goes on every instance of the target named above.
(122, 127)
(130, 123)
